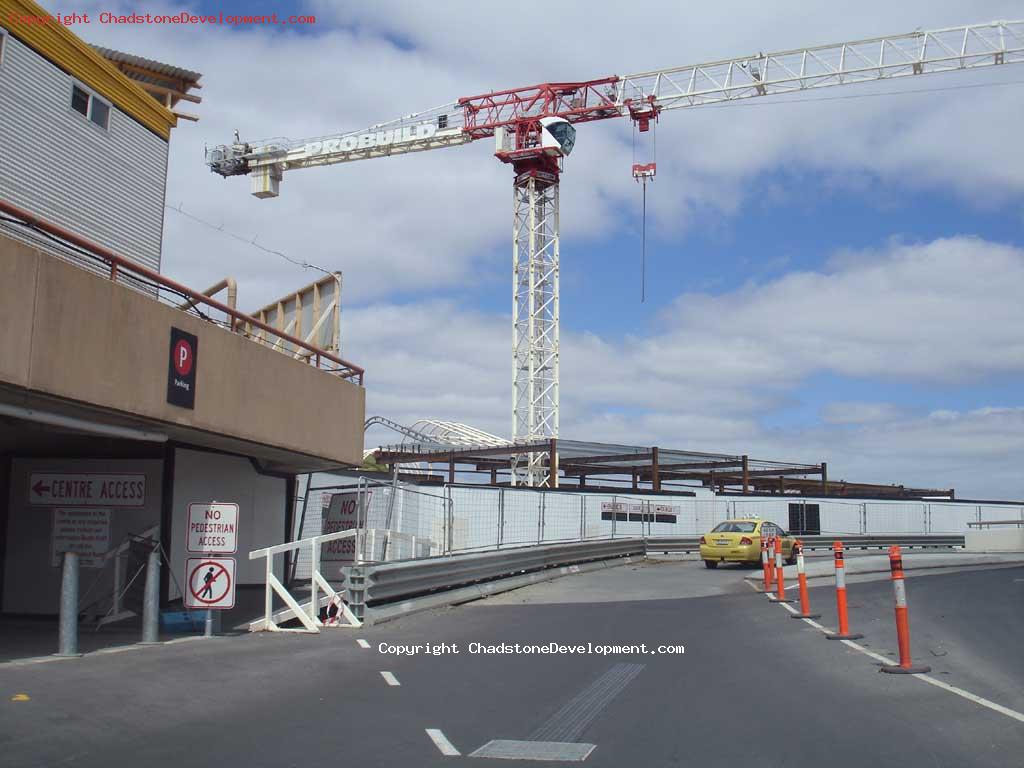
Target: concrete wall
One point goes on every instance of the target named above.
(998, 539)
(203, 477)
(67, 332)
(31, 582)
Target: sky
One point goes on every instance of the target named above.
(837, 279)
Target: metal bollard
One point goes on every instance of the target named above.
(844, 619)
(801, 577)
(764, 564)
(780, 576)
(68, 634)
(906, 666)
(151, 602)
(212, 628)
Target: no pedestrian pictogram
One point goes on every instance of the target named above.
(211, 582)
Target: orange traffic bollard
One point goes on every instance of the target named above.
(780, 577)
(844, 620)
(801, 577)
(905, 667)
(764, 564)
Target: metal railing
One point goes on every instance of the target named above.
(987, 523)
(116, 265)
(691, 544)
(307, 613)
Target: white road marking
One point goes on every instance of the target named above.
(363, 643)
(971, 697)
(442, 743)
(389, 678)
(1012, 713)
(789, 607)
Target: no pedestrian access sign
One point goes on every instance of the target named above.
(210, 582)
(212, 528)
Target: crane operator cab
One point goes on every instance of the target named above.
(558, 136)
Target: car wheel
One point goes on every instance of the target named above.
(710, 563)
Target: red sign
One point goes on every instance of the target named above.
(210, 582)
(183, 357)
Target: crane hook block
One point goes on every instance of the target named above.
(644, 171)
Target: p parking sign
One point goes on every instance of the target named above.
(181, 369)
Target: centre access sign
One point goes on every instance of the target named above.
(213, 528)
(90, 489)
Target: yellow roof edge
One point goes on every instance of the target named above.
(71, 53)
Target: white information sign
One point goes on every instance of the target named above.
(85, 531)
(90, 489)
(211, 582)
(341, 514)
(213, 528)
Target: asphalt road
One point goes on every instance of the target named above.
(753, 686)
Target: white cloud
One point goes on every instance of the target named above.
(860, 413)
(408, 229)
(935, 313)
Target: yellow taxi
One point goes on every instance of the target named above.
(739, 541)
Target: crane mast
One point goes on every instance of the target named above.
(534, 131)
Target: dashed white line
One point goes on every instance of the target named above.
(442, 743)
(389, 678)
(363, 643)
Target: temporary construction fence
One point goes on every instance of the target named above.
(400, 521)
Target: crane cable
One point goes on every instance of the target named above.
(643, 248)
(642, 178)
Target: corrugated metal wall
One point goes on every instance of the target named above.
(107, 185)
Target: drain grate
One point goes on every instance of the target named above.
(504, 749)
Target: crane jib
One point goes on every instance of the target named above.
(352, 142)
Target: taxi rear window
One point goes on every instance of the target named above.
(734, 527)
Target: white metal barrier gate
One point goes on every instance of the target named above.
(307, 613)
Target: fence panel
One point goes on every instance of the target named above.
(522, 517)
(561, 517)
(839, 517)
(951, 518)
(896, 517)
(475, 518)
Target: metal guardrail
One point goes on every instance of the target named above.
(986, 523)
(685, 544)
(372, 587)
(379, 583)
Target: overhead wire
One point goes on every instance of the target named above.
(248, 241)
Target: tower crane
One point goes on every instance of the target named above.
(534, 130)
